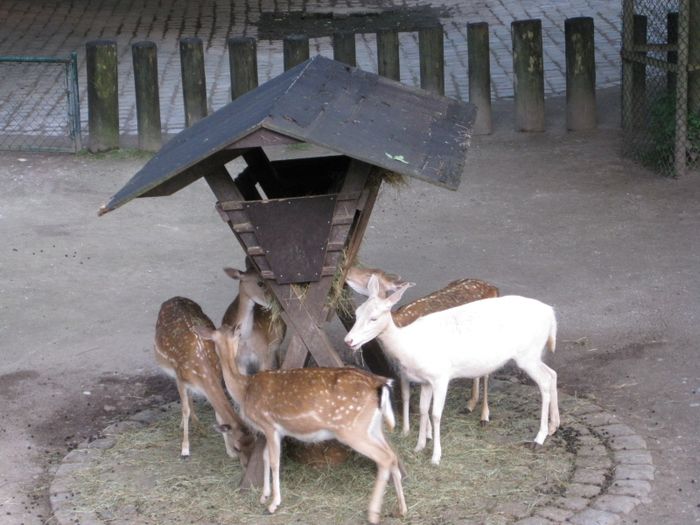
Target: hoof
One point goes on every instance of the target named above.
(533, 445)
(184, 457)
(373, 518)
(483, 423)
(271, 509)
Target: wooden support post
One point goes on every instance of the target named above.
(671, 56)
(295, 49)
(388, 54)
(580, 74)
(243, 64)
(102, 90)
(344, 47)
(478, 52)
(145, 59)
(431, 55)
(694, 57)
(194, 83)
(639, 71)
(528, 75)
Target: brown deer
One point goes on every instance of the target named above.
(261, 334)
(193, 362)
(313, 404)
(454, 294)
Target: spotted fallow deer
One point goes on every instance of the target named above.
(471, 340)
(456, 293)
(313, 404)
(193, 362)
(261, 333)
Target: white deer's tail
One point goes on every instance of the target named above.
(552, 338)
(385, 406)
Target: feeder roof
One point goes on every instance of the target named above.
(329, 104)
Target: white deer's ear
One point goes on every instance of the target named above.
(373, 286)
(396, 296)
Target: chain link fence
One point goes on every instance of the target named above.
(660, 84)
(39, 109)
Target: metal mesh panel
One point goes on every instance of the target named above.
(38, 105)
(661, 122)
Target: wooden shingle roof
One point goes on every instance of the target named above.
(329, 104)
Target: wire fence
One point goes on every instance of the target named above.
(660, 87)
(39, 108)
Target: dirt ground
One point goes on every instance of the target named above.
(556, 216)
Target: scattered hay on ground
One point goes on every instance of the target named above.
(483, 472)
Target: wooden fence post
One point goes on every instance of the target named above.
(639, 71)
(671, 56)
(194, 82)
(528, 75)
(580, 74)
(243, 65)
(479, 56)
(431, 54)
(296, 50)
(145, 59)
(344, 48)
(388, 54)
(693, 57)
(102, 91)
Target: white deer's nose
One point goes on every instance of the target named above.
(349, 342)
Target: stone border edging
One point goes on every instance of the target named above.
(613, 469)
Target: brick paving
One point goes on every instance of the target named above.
(56, 28)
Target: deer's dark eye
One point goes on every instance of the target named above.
(260, 284)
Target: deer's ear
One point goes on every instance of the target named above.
(233, 273)
(373, 286)
(204, 332)
(396, 296)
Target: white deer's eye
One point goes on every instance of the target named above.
(373, 319)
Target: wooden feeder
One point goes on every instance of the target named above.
(299, 219)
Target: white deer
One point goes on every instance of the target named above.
(261, 333)
(454, 294)
(471, 340)
(313, 404)
(194, 365)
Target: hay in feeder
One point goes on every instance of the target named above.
(483, 474)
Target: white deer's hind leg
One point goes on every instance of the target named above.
(539, 373)
(426, 393)
(439, 395)
(553, 402)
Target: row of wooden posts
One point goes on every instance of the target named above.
(528, 71)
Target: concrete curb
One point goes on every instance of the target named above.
(612, 474)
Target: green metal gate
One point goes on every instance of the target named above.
(39, 104)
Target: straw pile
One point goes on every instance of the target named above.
(483, 474)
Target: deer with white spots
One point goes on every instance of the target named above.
(471, 340)
(454, 294)
(261, 333)
(193, 362)
(313, 404)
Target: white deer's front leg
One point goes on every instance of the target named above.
(426, 393)
(405, 400)
(439, 394)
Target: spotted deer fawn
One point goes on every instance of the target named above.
(193, 362)
(471, 340)
(313, 404)
(261, 334)
(454, 294)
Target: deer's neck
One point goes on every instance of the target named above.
(236, 383)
